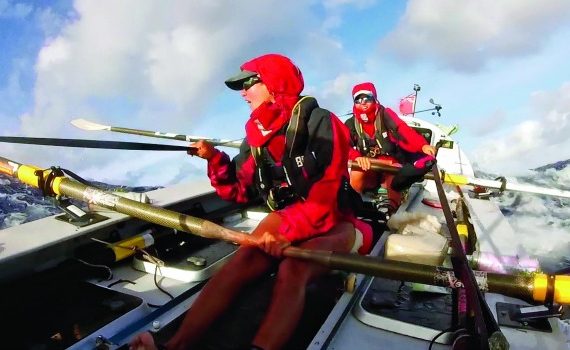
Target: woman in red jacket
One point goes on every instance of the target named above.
(294, 156)
(376, 132)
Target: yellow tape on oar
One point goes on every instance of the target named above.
(455, 179)
(27, 174)
(127, 247)
(462, 230)
(561, 288)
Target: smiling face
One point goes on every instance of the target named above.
(256, 95)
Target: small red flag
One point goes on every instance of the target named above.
(407, 104)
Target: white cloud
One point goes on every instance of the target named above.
(155, 67)
(9, 9)
(331, 4)
(535, 142)
(336, 94)
(142, 64)
(144, 168)
(12, 94)
(55, 53)
(467, 35)
(50, 21)
(486, 125)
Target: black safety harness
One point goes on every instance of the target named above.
(380, 144)
(303, 163)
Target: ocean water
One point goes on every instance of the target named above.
(541, 223)
(20, 203)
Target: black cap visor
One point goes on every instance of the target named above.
(236, 82)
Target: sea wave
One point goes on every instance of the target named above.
(541, 223)
(20, 203)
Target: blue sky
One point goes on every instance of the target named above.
(498, 68)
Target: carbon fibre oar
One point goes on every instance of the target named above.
(92, 126)
(133, 146)
(484, 324)
(525, 286)
(457, 179)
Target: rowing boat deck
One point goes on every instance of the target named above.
(352, 326)
(44, 244)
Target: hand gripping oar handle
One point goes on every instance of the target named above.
(457, 179)
(91, 126)
(528, 287)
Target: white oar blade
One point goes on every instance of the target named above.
(87, 125)
(520, 187)
(538, 190)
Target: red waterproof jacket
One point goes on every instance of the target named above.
(399, 134)
(403, 136)
(235, 180)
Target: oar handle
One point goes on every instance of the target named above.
(376, 165)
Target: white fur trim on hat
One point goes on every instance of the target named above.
(363, 92)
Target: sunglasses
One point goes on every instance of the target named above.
(251, 82)
(364, 99)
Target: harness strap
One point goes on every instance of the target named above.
(293, 127)
(378, 125)
(271, 176)
(382, 124)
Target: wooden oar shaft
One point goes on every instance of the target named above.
(530, 287)
(376, 166)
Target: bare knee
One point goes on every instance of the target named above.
(293, 273)
(356, 182)
(247, 260)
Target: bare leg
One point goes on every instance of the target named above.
(363, 180)
(395, 197)
(247, 264)
(289, 292)
(143, 341)
(357, 180)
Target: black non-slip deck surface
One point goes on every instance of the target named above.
(56, 314)
(398, 301)
(236, 328)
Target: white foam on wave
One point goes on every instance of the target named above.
(14, 219)
(542, 223)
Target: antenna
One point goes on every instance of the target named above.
(417, 88)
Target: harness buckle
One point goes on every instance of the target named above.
(280, 197)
